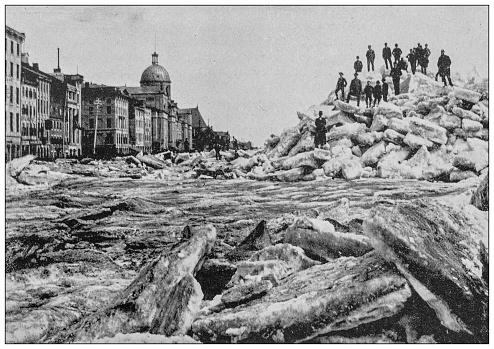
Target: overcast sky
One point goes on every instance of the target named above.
(248, 68)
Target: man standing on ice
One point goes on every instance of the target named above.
(371, 55)
(357, 65)
(320, 137)
(387, 56)
(413, 60)
(378, 93)
(395, 75)
(340, 86)
(385, 89)
(396, 53)
(444, 64)
(355, 89)
(368, 90)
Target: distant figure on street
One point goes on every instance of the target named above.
(396, 53)
(217, 148)
(402, 65)
(358, 65)
(355, 89)
(419, 52)
(443, 65)
(320, 137)
(371, 55)
(186, 145)
(377, 93)
(395, 75)
(412, 60)
(387, 56)
(235, 146)
(385, 89)
(369, 91)
(340, 86)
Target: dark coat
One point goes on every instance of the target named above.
(320, 125)
(386, 52)
(341, 83)
(443, 62)
(370, 54)
(368, 90)
(397, 52)
(356, 86)
(395, 73)
(378, 91)
(385, 88)
(358, 66)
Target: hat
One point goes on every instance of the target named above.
(357, 57)
(384, 79)
(377, 82)
(355, 74)
(340, 73)
(442, 50)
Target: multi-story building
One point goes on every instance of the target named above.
(35, 110)
(105, 112)
(13, 51)
(140, 127)
(185, 122)
(66, 105)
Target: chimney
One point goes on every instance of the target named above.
(58, 70)
(36, 66)
(86, 84)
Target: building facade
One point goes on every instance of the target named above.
(105, 113)
(14, 41)
(35, 110)
(140, 127)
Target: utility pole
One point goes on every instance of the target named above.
(97, 103)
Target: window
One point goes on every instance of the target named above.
(17, 95)
(11, 122)
(11, 47)
(11, 69)
(108, 109)
(11, 94)
(17, 73)
(6, 44)
(108, 123)
(18, 122)
(18, 50)
(91, 123)
(91, 109)
(108, 101)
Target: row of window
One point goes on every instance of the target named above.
(9, 94)
(11, 71)
(28, 92)
(13, 123)
(12, 47)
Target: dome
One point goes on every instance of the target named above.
(155, 73)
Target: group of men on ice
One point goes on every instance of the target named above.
(417, 56)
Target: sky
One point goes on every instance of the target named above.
(248, 68)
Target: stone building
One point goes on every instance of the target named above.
(66, 105)
(185, 124)
(13, 51)
(140, 127)
(35, 110)
(105, 111)
(155, 92)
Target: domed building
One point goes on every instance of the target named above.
(156, 75)
(169, 130)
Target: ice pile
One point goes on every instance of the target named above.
(428, 132)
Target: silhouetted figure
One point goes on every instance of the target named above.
(419, 53)
(402, 65)
(444, 64)
(387, 56)
(396, 53)
(368, 90)
(424, 59)
(377, 93)
(395, 75)
(358, 65)
(370, 55)
(235, 146)
(355, 89)
(412, 60)
(320, 137)
(340, 86)
(217, 148)
(186, 145)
